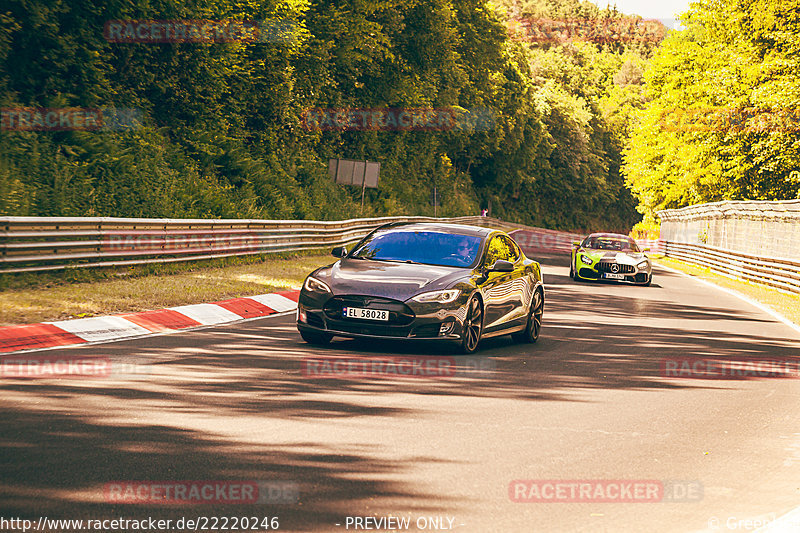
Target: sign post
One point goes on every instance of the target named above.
(363, 188)
(352, 172)
(436, 199)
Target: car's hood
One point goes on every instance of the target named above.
(623, 258)
(399, 281)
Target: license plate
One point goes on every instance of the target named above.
(366, 314)
(611, 275)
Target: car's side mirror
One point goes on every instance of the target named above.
(646, 249)
(576, 243)
(502, 265)
(339, 251)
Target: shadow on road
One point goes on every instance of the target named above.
(63, 440)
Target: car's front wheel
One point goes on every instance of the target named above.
(473, 326)
(534, 326)
(313, 337)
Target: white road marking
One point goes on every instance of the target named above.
(774, 314)
(275, 301)
(101, 328)
(207, 314)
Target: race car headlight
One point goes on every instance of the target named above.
(642, 265)
(441, 297)
(315, 285)
(585, 260)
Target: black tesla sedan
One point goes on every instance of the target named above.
(425, 281)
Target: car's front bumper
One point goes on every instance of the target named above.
(630, 273)
(408, 320)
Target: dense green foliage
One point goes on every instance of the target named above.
(222, 132)
(722, 121)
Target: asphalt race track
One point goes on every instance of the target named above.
(590, 403)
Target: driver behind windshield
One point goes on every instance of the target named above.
(426, 247)
(464, 253)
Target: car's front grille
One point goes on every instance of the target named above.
(608, 266)
(399, 313)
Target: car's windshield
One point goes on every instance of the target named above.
(427, 247)
(610, 243)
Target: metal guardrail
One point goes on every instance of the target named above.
(756, 209)
(753, 240)
(754, 227)
(33, 244)
(783, 274)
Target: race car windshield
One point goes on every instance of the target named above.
(606, 243)
(426, 247)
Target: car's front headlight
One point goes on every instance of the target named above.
(643, 265)
(315, 285)
(441, 297)
(585, 260)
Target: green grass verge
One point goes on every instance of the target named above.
(786, 304)
(79, 293)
